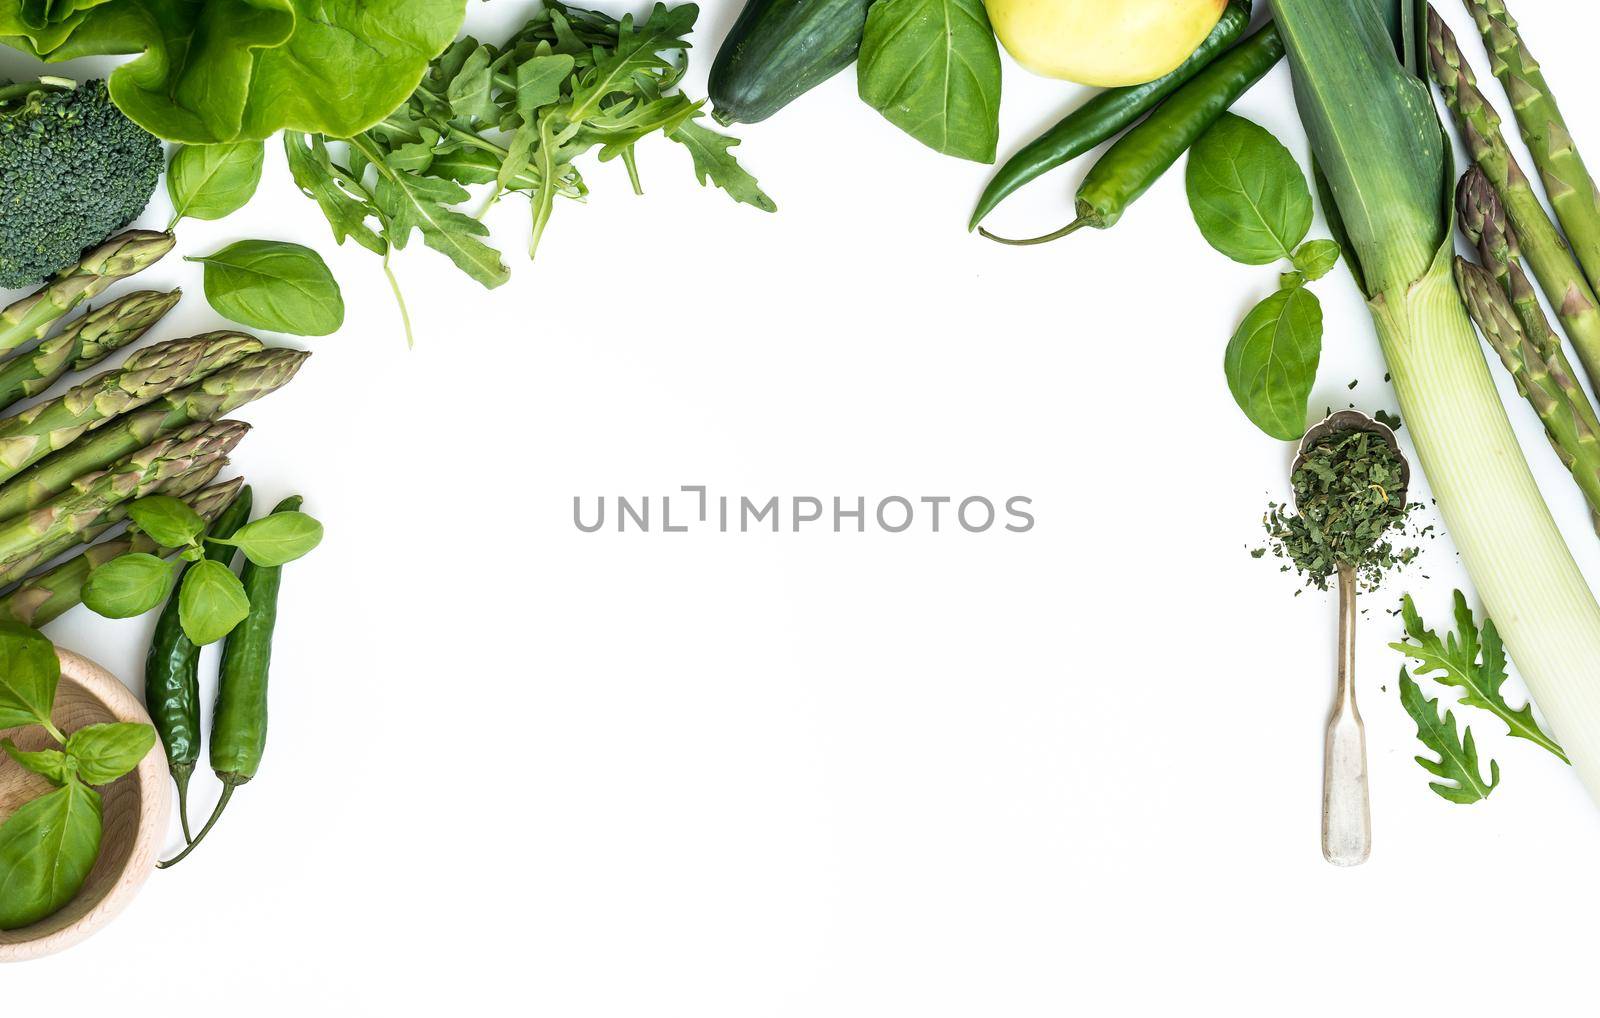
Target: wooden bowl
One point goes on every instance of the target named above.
(135, 811)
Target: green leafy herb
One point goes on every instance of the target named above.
(277, 538)
(212, 181)
(29, 673)
(517, 117)
(52, 764)
(1347, 509)
(128, 585)
(932, 67)
(211, 602)
(1271, 361)
(47, 849)
(274, 285)
(103, 753)
(1475, 665)
(1251, 202)
(169, 520)
(1316, 258)
(1247, 193)
(207, 73)
(1458, 756)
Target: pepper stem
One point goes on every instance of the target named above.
(227, 793)
(1072, 227)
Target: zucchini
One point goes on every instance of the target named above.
(780, 49)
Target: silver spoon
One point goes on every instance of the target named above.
(1346, 812)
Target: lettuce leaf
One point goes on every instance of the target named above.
(212, 71)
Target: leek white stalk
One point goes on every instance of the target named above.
(1378, 141)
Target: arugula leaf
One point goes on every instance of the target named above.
(1455, 661)
(517, 116)
(714, 161)
(1458, 758)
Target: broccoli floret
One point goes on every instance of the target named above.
(73, 171)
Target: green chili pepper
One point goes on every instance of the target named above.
(1104, 115)
(1141, 156)
(172, 669)
(239, 723)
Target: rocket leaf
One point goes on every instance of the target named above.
(1458, 757)
(1455, 661)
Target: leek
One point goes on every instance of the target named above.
(1382, 152)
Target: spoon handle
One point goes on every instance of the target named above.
(1346, 816)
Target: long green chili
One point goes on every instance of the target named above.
(1104, 115)
(1141, 156)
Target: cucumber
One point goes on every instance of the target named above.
(780, 49)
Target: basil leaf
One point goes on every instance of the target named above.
(212, 181)
(276, 539)
(211, 602)
(274, 285)
(128, 585)
(1271, 361)
(932, 67)
(1316, 258)
(47, 849)
(29, 672)
(106, 752)
(51, 763)
(1247, 193)
(167, 519)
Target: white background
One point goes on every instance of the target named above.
(725, 776)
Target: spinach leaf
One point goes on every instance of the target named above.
(52, 764)
(273, 285)
(932, 67)
(1247, 193)
(212, 181)
(128, 585)
(276, 539)
(1271, 361)
(168, 520)
(29, 672)
(106, 752)
(211, 602)
(47, 849)
(234, 70)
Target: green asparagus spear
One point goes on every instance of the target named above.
(1483, 219)
(1558, 272)
(85, 342)
(42, 429)
(45, 597)
(1566, 180)
(220, 393)
(123, 255)
(36, 536)
(1538, 380)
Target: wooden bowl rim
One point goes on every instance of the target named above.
(155, 805)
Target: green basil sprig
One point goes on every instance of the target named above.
(273, 285)
(211, 600)
(1252, 203)
(48, 846)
